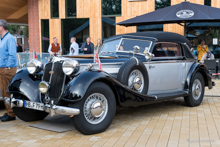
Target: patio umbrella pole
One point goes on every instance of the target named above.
(185, 29)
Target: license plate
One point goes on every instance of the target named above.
(34, 105)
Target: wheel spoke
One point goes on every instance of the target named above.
(92, 99)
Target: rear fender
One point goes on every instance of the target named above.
(197, 67)
(26, 84)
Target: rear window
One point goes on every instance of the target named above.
(167, 49)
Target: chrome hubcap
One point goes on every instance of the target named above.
(95, 108)
(196, 89)
(136, 80)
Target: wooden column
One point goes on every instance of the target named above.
(130, 10)
(215, 3)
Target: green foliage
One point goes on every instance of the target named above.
(161, 4)
(13, 29)
(26, 31)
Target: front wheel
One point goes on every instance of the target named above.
(197, 89)
(97, 109)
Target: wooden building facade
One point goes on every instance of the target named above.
(90, 14)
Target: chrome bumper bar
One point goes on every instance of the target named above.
(52, 109)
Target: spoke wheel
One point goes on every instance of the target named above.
(95, 108)
(196, 89)
(196, 93)
(136, 80)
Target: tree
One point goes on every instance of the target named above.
(161, 4)
(111, 7)
(13, 29)
(26, 31)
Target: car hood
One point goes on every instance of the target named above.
(84, 59)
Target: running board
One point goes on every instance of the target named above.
(165, 96)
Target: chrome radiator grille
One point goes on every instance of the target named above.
(54, 75)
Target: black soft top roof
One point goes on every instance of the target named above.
(158, 36)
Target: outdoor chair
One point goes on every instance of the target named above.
(212, 66)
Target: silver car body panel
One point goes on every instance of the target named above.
(161, 73)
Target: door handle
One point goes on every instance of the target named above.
(151, 67)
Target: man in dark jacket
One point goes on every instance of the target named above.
(19, 48)
(87, 47)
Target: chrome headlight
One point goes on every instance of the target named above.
(34, 66)
(43, 87)
(70, 67)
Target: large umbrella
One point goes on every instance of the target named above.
(184, 12)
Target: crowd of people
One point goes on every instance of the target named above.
(87, 47)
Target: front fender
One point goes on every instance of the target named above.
(25, 84)
(198, 67)
(78, 87)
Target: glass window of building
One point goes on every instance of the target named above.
(161, 4)
(54, 5)
(207, 2)
(108, 27)
(45, 35)
(111, 7)
(70, 8)
(209, 32)
(157, 27)
(75, 27)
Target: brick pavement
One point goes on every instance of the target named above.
(169, 123)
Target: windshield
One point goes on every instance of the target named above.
(23, 58)
(129, 44)
(126, 44)
(111, 46)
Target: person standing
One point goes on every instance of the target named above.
(99, 45)
(8, 65)
(19, 48)
(87, 47)
(202, 49)
(74, 47)
(55, 48)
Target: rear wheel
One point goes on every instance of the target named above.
(197, 89)
(97, 109)
(28, 114)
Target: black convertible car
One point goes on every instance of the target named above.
(137, 69)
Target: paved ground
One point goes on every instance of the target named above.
(168, 123)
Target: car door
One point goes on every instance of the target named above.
(167, 70)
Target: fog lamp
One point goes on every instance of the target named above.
(43, 87)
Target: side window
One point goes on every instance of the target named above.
(167, 49)
(187, 52)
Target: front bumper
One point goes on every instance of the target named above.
(52, 109)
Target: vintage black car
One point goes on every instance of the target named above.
(137, 69)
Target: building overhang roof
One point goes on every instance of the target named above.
(14, 11)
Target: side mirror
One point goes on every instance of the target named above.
(136, 49)
(192, 49)
(149, 55)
